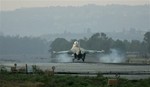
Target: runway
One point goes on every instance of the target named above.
(92, 68)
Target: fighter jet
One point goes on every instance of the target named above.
(78, 52)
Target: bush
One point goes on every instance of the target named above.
(31, 80)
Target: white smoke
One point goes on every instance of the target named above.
(113, 57)
(63, 58)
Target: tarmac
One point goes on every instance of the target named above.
(91, 67)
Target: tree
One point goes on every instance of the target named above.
(94, 42)
(147, 40)
(60, 44)
(99, 41)
(83, 43)
(135, 46)
(22, 45)
(119, 45)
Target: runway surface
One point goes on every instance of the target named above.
(91, 68)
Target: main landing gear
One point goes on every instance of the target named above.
(79, 56)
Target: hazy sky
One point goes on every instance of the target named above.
(15, 4)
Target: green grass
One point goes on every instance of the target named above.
(42, 80)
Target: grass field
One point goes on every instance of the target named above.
(43, 80)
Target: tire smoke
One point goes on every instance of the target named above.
(114, 57)
(63, 58)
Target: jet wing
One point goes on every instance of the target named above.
(94, 51)
(63, 52)
(72, 51)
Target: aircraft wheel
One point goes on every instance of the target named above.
(83, 59)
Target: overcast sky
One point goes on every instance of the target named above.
(15, 4)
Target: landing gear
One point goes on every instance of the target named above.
(79, 56)
(83, 57)
(75, 56)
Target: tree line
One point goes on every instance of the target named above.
(22, 45)
(100, 41)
